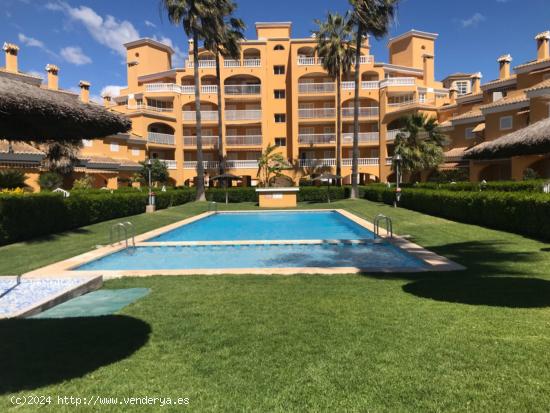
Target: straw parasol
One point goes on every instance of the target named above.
(226, 178)
(327, 177)
(31, 113)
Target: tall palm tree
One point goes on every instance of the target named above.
(368, 17)
(420, 144)
(335, 47)
(196, 17)
(224, 38)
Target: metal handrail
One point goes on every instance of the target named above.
(125, 226)
(389, 225)
(213, 206)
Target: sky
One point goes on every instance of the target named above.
(84, 37)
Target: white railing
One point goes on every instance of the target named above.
(238, 164)
(363, 137)
(403, 103)
(392, 134)
(231, 63)
(318, 162)
(398, 81)
(170, 163)
(206, 141)
(366, 59)
(187, 89)
(142, 106)
(205, 115)
(205, 164)
(388, 161)
(320, 138)
(209, 89)
(361, 161)
(316, 113)
(162, 138)
(250, 114)
(202, 63)
(244, 140)
(309, 61)
(163, 87)
(370, 84)
(252, 62)
(348, 85)
(242, 89)
(363, 112)
(326, 87)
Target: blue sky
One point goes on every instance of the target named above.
(85, 37)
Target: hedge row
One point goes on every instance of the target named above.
(504, 186)
(306, 194)
(525, 213)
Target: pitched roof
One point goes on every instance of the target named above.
(18, 148)
(542, 85)
(471, 114)
(506, 101)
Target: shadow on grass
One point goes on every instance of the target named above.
(40, 352)
(56, 236)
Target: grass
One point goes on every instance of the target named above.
(470, 341)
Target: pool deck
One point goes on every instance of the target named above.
(432, 261)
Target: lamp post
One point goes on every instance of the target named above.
(398, 160)
(151, 202)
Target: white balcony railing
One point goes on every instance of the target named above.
(398, 81)
(364, 112)
(365, 59)
(250, 114)
(318, 162)
(242, 89)
(206, 141)
(202, 64)
(244, 140)
(316, 113)
(187, 89)
(209, 89)
(326, 87)
(392, 134)
(316, 138)
(205, 164)
(231, 63)
(361, 161)
(170, 163)
(162, 138)
(252, 62)
(363, 137)
(189, 115)
(163, 87)
(407, 102)
(244, 164)
(388, 161)
(370, 84)
(312, 61)
(142, 106)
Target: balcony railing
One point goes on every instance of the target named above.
(244, 164)
(316, 113)
(242, 89)
(205, 164)
(388, 161)
(231, 63)
(244, 140)
(209, 89)
(189, 115)
(202, 64)
(326, 87)
(318, 162)
(398, 81)
(363, 137)
(206, 141)
(170, 163)
(364, 112)
(142, 106)
(163, 87)
(252, 62)
(316, 138)
(370, 84)
(392, 134)
(251, 114)
(403, 103)
(361, 161)
(312, 61)
(162, 138)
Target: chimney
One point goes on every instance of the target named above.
(504, 66)
(84, 91)
(106, 100)
(543, 47)
(476, 83)
(53, 78)
(11, 51)
(191, 45)
(453, 93)
(429, 76)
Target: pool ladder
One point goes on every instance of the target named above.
(125, 227)
(389, 225)
(213, 206)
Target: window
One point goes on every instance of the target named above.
(506, 122)
(135, 152)
(279, 94)
(114, 147)
(280, 118)
(279, 47)
(422, 97)
(280, 141)
(463, 87)
(279, 70)
(469, 133)
(87, 142)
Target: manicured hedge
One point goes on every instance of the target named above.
(525, 213)
(505, 186)
(306, 194)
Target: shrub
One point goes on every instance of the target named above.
(83, 183)
(320, 193)
(50, 181)
(235, 194)
(11, 179)
(530, 174)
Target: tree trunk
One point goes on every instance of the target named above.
(200, 167)
(221, 159)
(338, 130)
(355, 157)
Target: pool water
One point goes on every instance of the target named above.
(373, 256)
(322, 225)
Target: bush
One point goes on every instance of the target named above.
(319, 193)
(504, 186)
(11, 179)
(235, 194)
(83, 183)
(50, 181)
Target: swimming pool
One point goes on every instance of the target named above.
(241, 226)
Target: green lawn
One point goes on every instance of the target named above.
(475, 341)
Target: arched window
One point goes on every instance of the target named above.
(279, 47)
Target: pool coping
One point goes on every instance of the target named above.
(432, 261)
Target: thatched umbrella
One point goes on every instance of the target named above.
(226, 178)
(531, 140)
(30, 113)
(327, 177)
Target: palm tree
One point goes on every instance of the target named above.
(335, 47)
(420, 144)
(224, 38)
(270, 165)
(368, 17)
(196, 17)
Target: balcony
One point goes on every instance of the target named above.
(160, 138)
(392, 134)
(317, 162)
(207, 115)
(389, 161)
(206, 141)
(316, 113)
(363, 137)
(313, 61)
(365, 85)
(242, 89)
(244, 140)
(361, 161)
(205, 164)
(251, 114)
(364, 112)
(327, 87)
(244, 63)
(316, 138)
(203, 64)
(175, 88)
(143, 106)
(398, 81)
(170, 163)
(209, 89)
(244, 164)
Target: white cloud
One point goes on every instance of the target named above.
(474, 20)
(30, 41)
(150, 24)
(111, 90)
(75, 55)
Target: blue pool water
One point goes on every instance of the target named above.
(322, 225)
(364, 255)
